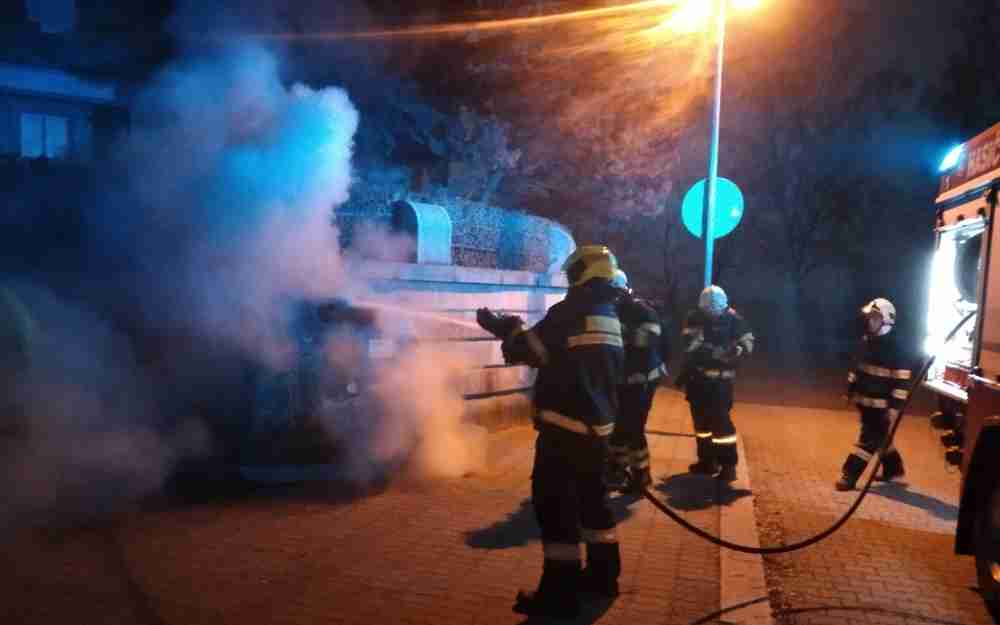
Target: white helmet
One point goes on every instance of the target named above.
(885, 309)
(620, 280)
(713, 300)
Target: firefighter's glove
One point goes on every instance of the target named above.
(499, 325)
(731, 354)
(850, 393)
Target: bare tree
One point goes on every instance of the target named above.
(483, 146)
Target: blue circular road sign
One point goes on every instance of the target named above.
(728, 207)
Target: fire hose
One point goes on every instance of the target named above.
(850, 511)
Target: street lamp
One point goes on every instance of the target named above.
(708, 212)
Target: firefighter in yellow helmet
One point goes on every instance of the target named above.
(577, 349)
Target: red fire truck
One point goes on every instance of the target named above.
(965, 280)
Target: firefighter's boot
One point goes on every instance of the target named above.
(639, 480)
(615, 478)
(846, 482)
(556, 596)
(727, 474)
(615, 471)
(892, 466)
(704, 467)
(604, 565)
(639, 476)
(853, 467)
(706, 464)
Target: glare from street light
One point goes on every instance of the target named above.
(690, 16)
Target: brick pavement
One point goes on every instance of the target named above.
(455, 551)
(442, 553)
(893, 562)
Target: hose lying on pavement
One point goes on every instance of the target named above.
(850, 511)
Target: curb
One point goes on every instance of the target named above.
(743, 596)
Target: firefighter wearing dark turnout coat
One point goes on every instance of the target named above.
(644, 368)
(879, 386)
(577, 349)
(715, 338)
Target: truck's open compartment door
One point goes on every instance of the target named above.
(989, 322)
(959, 270)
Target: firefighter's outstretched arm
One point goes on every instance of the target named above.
(520, 345)
(525, 346)
(498, 324)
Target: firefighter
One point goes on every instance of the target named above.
(715, 337)
(577, 349)
(878, 386)
(644, 367)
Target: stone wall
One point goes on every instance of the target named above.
(482, 235)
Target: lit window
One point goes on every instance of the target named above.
(56, 137)
(44, 136)
(32, 135)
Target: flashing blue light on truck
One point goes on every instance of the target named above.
(951, 159)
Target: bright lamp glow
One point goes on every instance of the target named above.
(689, 16)
(951, 159)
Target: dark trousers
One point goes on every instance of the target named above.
(711, 401)
(875, 425)
(629, 447)
(571, 505)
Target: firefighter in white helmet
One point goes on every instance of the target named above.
(879, 386)
(715, 337)
(644, 368)
(577, 349)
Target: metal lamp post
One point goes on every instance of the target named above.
(708, 213)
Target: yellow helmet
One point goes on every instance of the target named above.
(590, 261)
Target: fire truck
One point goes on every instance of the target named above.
(965, 374)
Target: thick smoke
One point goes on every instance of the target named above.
(213, 231)
(427, 420)
(235, 178)
(83, 433)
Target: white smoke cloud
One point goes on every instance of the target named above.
(219, 220)
(236, 188)
(83, 433)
